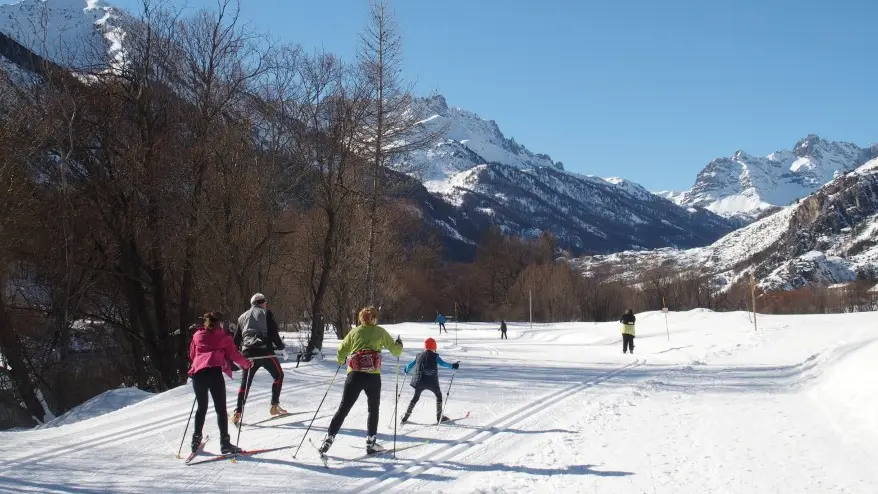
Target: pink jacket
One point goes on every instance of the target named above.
(213, 348)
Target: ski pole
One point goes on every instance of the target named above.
(396, 406)
(447, 394)
(248, 376)
(179, 451)
(268, 356)
(318, 409)
(399, 395)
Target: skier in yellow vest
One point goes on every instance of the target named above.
(628, 321)
(361, 349)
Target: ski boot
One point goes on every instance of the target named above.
(276, 410)
(441, 419)
(372, 445)
(404, 419)
(327, 443)
(236, 418)
(196, 441)
(227, 447)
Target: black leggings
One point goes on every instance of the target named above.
(273, 368)
(211, 381)
(627, 342)
(353, 385)
(417, 396)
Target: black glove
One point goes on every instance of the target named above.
(398, 341)
(281, 346)
(455, 365)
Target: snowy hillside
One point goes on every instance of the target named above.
(712, 407)
(585, 213)
(72, 33)
(745, 185)
(829, 237)
(474, 167)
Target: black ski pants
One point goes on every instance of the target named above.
(442, 327)
(503, 335)
(355, 383)
(417, 396)
(211, 381)
(273, 367)
(627, 343)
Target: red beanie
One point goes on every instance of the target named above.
(430, 344)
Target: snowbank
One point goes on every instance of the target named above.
(104, 403)
(848, 394)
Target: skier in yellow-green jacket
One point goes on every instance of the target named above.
(361, 349)
(628, 321)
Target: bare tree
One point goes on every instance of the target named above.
(391, 128)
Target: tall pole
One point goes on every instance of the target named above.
(530, 299)
(456, 317)
(665, 310)
(753, 296)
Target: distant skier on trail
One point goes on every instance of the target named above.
(210, 351)
(628, 321)
(363, 345)
(257, 336)
(441, 320)
(426, 377)
(503, 330)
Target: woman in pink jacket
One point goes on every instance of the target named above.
(210, 352)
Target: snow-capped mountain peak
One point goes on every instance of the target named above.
(467, 141)
(746, 186)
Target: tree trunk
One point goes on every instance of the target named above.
(11, 347)
(137, 303)
(317, 328)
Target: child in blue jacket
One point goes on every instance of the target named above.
(426, 377)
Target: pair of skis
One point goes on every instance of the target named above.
(228, 456)
(325, 458)
(449, 421)
(275, 417)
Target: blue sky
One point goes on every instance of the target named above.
(644, 89)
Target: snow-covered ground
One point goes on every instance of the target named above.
(717, 407)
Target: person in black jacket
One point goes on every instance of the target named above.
(257, 336)
(628, 321)
(503, 330)
(426, 377)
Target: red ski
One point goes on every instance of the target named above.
(242, 453)
(197, 450)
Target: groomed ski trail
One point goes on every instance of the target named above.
(166, 423)
(480, 437)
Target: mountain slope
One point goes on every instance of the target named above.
(747, 186)
(587, 214)
(831, 236)
(475, 167)
(72, 33)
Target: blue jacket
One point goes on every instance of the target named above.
(441, 319)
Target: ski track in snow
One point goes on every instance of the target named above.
(711, 407)
(463, 447)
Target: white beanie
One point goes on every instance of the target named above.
(257, 299)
